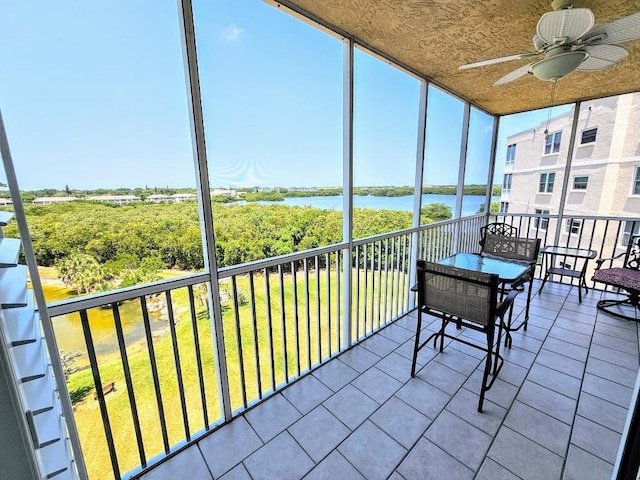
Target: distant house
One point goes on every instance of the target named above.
(119, 199)
(52, 200)
(5, 201)
(183, 197)
(227, 192)
(159, 198)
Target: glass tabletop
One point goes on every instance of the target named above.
(508, 270)
(569, 252)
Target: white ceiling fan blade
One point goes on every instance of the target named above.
(498, 60)
(622, 30)
(571, 23)
(602, 56)
(511, 76)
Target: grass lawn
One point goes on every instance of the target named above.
(308, 333)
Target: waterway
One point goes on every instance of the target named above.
(470, 203)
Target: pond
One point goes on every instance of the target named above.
(70, 337)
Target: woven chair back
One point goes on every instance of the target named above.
(460, 293)
(512, 248)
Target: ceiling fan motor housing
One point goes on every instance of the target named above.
(558, 62)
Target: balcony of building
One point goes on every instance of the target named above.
(299, 366)
(557, 410)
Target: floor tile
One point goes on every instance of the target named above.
(574, 325)
(457, 360)
(561, 363)
(623, 376)
(539, 427)
(359, 358)
(582, 465)
(513, 374)
(428, 462)
(281, 458)
(490, 470)
(374, 453)
(188, 464)
(548, 401)
(602, 412)
(335, 374)
(554, 380)
(335, 466)
(566, 349)
(629, 346)
(459, 439)
(239, 472)
(307, 393)
(351, 406)
(380, 345)
(595, 439)
(607, 390)
(319, 432)
(465, 405)
(613, 356)
(501, 392)
(400, 421)
(228, 446)
(424, 397)
(272, 417)
(523, 457)
(442, 377)
(518, 356)
(377, 384)
(396, 366)
(398, 333)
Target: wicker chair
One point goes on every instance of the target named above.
(467, 299)
(626, 277)
(517, 249)
(497, 228)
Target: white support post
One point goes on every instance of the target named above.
(567, 171)
(189, 52)
(347, 188)
(492, 166)
(464, 141)
(417, 191)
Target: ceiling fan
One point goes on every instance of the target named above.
(564, 37)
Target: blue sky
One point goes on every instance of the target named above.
(94, 95)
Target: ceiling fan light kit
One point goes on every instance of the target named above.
(569, 42)
(558, 64)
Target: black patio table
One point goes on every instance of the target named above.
(511, 272)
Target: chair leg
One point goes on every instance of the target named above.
(487, 368)
(416, 344)
(526, 315)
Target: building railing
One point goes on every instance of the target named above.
(281, 318)
(608, 236)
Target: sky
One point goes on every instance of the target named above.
(93, 95)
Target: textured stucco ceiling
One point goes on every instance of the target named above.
(435, 37)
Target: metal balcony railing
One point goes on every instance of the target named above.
(281, 318)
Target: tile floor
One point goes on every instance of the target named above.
(557, 410)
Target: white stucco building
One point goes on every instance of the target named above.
(604, 176)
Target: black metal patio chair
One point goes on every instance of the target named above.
(497, 228)
(517, 249)
(625, 278)
(467, 299)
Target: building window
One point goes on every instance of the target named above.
(546, 182)
(504, 207)
(552, 143)
(506, 183)
(541, 223)
(573, 226)
(580, 183)
(630, 228)
(589, 136)
(636, 182)
(511, 154)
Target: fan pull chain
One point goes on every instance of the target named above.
(553, 93)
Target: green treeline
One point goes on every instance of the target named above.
(123, 236)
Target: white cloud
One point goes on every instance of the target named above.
(231, 33)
